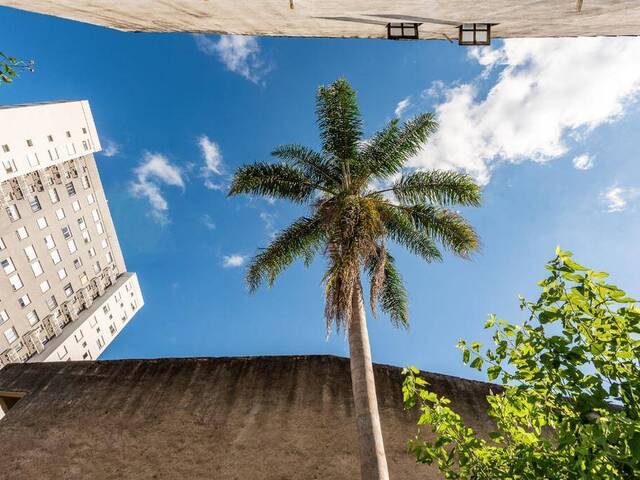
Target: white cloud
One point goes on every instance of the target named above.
(155, 171)
(212, 156)
(234, 261)
(268, 219)
(110, 148)
(583, 162)
(402, 107)
(240, 54)
(213, 164)
(617, 198)
(549, 91)
(208, 223)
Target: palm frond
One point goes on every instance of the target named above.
(448, 227)
(401, 229)
(441, 187)
(387, 152)
(302, 239)
(314, 165)
(339, 121)
(391, 293)
(277, 180)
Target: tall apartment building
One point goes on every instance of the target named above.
(65, 292)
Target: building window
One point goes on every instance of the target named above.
(42, 223)
(30, 252)
(71, 190)
(402, 31)
(95, 215)
(29, 142)
(76, 206)
(85, 182)
(37, 268)
(52, 304)
(66, 232)
(16, 282)
(109, 257)
(77, 263)
(474, 34)
(10, 335)
(112, 329)
(93, 322)
(62, 352)
(86, 237)
(81, 224)
(84, 279)
(71, 148)
(53, 195)
(35, 204)
(32, 158)
(62, 274)
(33, 318)
(68, 134)
(104, 243)
(68, 290)
(71, 244)
(13, 212)
(4, 316)
(5, 148)
(105, 309)
(24, 301)
(2, 244)
(48, 240)
(78, 335)
(86, 355)
(9, 166)
(84, 130)
(50, 138)
(99, 228)
(92, 252)
(45, 287)
(55, 256)
(100, 343)
(85, 145)
(96, 267)
(90, 199)
(7, 265)
(22, 233)
(60, 213)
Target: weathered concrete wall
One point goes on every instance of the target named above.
(227, 418)
(353, 18)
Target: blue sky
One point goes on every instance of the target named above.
(548, 127)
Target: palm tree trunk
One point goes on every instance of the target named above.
(373, 462)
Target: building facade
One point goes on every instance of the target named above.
(434, 19)
(65, 292)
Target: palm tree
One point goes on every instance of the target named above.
(359, 198)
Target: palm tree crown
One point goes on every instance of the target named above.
(351, 220)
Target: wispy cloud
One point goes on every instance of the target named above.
(208, 222)
(240, 54)
(402, 106)
(583, 162)
(213, 163)
(268, 219)
(110, 148)
(154, 172)
(234, 261)
(548, 92)
(617, 198)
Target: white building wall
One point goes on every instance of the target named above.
(97, 326)
(57, 132)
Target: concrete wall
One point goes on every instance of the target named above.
(229, 418)
(353, 18)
